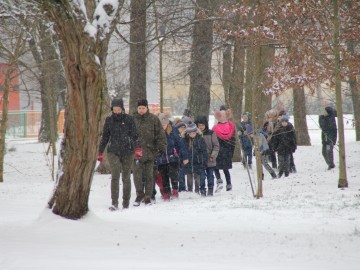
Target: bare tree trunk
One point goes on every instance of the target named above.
(84, 60)
(249, 78)
(137, 53)
(226, 78)
(355, 95)
(301, 129)
(256, 94)
(4, 115)
(342, 160)
(200, 67)
(236, 91)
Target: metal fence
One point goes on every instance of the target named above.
(26, 124)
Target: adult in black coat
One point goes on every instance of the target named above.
(328, 135)
(284, 142)
(120, 134)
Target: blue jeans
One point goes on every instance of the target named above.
(210, 177)
(182, 186)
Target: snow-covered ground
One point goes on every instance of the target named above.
(302, 222)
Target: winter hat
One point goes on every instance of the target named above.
(187, 113)
(117, 103)
(282, 112)
(202, 120)
(223, 108)
(284, 118)
(191, 128)
(273, 113)
(163, 119)
(249, 129)
(246, 113)
(142, 102)
(186, 120)
(179, 124)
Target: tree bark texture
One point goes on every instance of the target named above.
(137, 53)
(355, 95)
(200, 67)
(249, 79)
(301, 129)
(342, 159)
(236, 91)
(84, 61)
(4, 115)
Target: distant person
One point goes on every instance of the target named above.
(328, 135)
(120, 134)
(198, 158)
(213, 147)
(245, 141)
(263, 148)
(152, 142)
(168, 163)
(271, 119)
(225, 131)
(284, 144)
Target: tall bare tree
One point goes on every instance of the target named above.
(84, 29)
(201, 55)
(137, 52)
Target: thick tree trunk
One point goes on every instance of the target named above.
(342, 160)
(137, 53)
(84, 59)
(301, 129)
(200, 67)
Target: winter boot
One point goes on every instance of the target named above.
(138, 200)
(332, 166)
(273, 175)
(280, 174)
(250, 166)
(125, 204)
(175, 194)
(203, 193)
(147, 201)
(219, 185)
(166, 197)
(210, 192)
(292, 169)
(153, 199)
(228, 187)
(113, 208)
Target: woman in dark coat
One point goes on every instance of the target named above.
(284, 142)
(225, 131)
(328, 135)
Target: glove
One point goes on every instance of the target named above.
(100, 157)
(138, 152)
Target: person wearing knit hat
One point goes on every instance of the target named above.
(263, 148)
(191, 127)
(164, 119)
(198, 157)
(212, 147)
(181, 127)
(152, 144)
(142, 102)
(284, 143)
(168, 163)
(245, 141)
(187, 120)
(121, 138)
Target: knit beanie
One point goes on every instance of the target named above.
(142, 102)
(284, 118)
(186, 120)
(191, 128)
(179, 124)
(117, 103)
(163, 119)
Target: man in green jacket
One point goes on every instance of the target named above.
(152, 140)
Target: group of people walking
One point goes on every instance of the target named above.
(158, 150)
